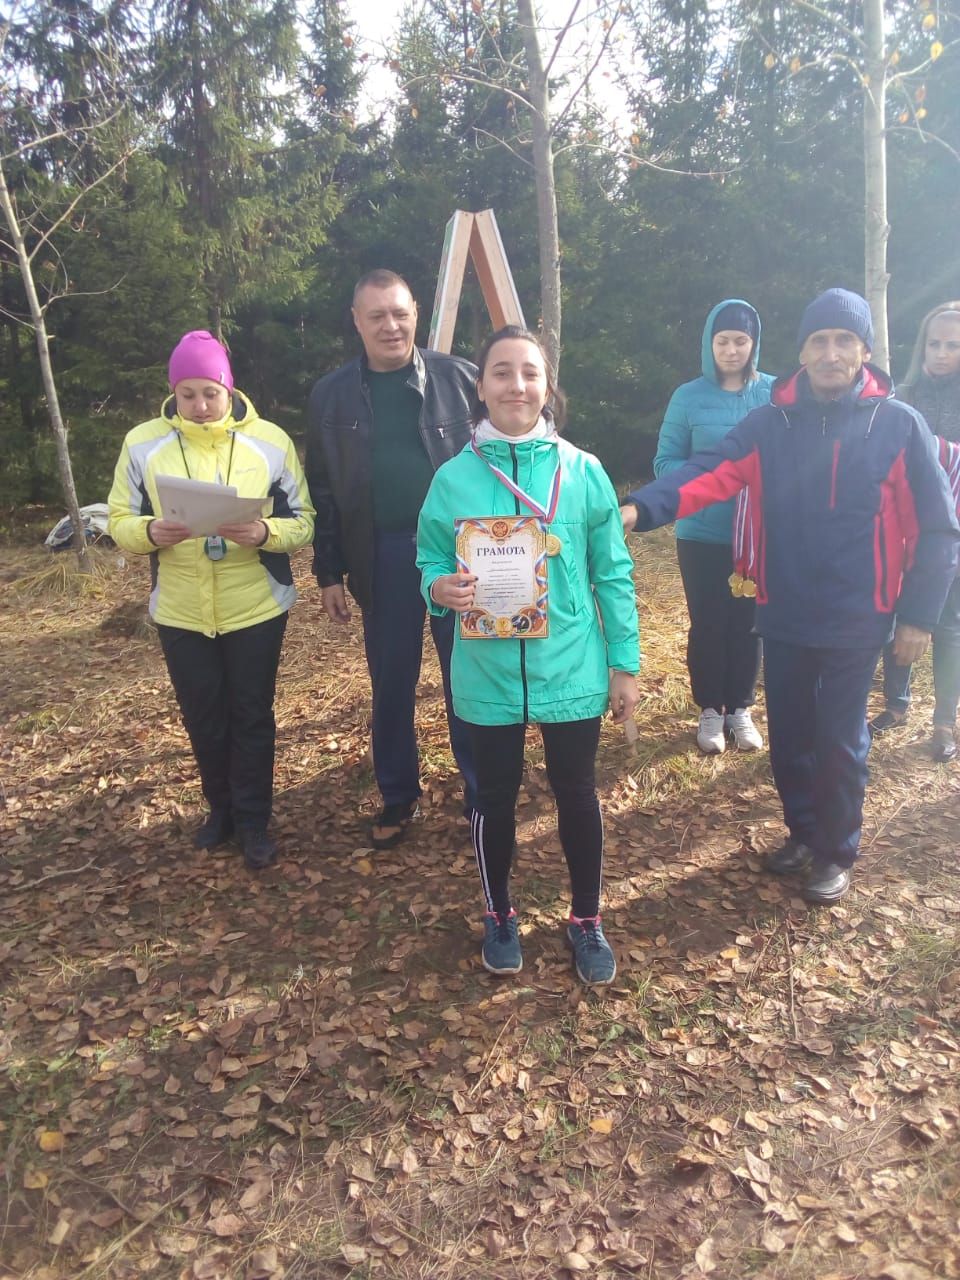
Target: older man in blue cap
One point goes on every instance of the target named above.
(853, 525)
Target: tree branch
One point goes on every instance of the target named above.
(560, 39)
(45, 235)
(833, 22)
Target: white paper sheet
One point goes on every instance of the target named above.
(203, 507)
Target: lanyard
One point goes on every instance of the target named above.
(214, 547)
(547, 513)
(233, 440)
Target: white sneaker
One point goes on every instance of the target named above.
(710, 736)
(744, 732)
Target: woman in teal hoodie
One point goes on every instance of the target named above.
(723, 654)
(517, 465)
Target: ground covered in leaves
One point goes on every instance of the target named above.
(307, 1074)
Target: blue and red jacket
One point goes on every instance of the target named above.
(851, 514)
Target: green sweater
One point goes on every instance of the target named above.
(401, 471)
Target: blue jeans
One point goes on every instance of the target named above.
(946, 666)
(817, 720)
(393, 640)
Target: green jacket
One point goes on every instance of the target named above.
(565, 675)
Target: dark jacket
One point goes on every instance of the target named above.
(339, 448)
(853, 515)
(938, 399)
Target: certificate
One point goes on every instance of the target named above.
(203, 507)
(508, 555)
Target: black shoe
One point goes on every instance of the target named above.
(216, 829)
(943, 745)
(827, 882)
(792, 857)
(258, 848)
(886, 720)
(389, 827)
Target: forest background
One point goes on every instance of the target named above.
(259, 155)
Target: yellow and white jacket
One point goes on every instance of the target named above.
(250, 584)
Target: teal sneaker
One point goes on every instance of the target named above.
(592, 955)
(501, 943)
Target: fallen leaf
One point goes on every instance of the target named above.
(720, 1126)
(773, 1241)
(693, 1158)
(705, 1256)
(51, 1140)
(602, 1124)
(256, 1192)
(759, 1169)
(60, 1231)
(226, 1224)
(755, 1122)
(574, 1261)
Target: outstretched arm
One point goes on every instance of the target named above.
(713, 475)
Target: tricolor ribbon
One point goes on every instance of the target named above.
(547, 513)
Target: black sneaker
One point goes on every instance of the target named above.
(886, 720)
(215, 830)
(259, 850)
(827, 882)
(392, 822)
(943, 743)
(792, 857)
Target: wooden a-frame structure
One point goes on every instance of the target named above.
(477, 236)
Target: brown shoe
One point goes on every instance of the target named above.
(943, 744)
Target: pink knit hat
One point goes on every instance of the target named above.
(199, 355)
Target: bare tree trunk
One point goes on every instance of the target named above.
(46, 370)
(547, 227)
(876, 227)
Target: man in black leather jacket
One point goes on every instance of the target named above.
(377, 429)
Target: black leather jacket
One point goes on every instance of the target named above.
(339, 425)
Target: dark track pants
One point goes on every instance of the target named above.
(817, 718)
(946, 666)
(393, 640)
(570, 751)
(225, 686)
(723, 653)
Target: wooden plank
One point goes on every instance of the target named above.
(453, 262)
(493, 271)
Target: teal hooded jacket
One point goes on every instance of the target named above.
(701, 413)
(592, 608)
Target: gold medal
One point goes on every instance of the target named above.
(736, 584)
(554, 545)
(749, 588)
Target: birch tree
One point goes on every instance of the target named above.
(872, 54)
(60, 141)
(546, 81)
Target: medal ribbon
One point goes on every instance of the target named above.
(547, 513)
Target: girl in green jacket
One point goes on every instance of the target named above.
(508, 673)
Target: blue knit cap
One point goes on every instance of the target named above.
(838, 309)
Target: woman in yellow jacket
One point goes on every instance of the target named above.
(220, 603)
